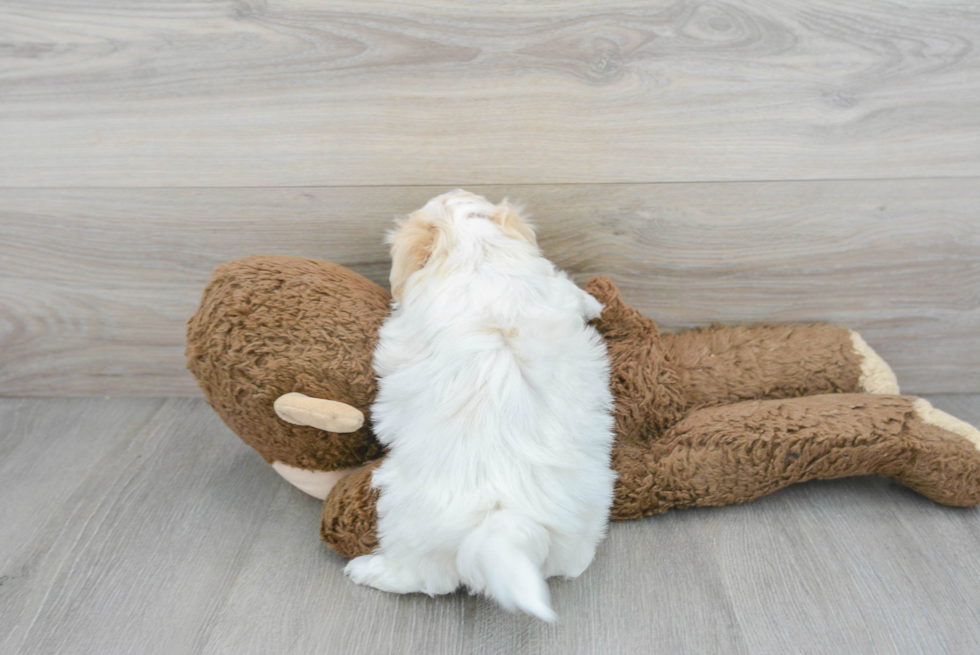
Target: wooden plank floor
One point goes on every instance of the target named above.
(145, 526)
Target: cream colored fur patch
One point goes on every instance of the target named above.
(876, 375)
(941, 419)
(316, 483)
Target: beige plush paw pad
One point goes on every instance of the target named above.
(941, 419)
(328, 415)
(876, 375)
(316, 483)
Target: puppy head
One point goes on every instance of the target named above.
(453, 221)
(511, 223)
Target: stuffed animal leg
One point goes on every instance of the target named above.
(723, 364)
(736, 453)
(659, 378)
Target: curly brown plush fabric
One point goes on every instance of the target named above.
(713, 416)
(270, 325)
(657, 379)
(350, 513)
(732, 454)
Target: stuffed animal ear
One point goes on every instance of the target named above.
(508, 218)
(414, 242)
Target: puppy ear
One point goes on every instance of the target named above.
(413, 242)
(508, 218)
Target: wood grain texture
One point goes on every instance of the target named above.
(294, 92)
(140, 553)
(47, 451)
(142, 525)
(97, 283)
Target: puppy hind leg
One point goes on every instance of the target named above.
(572, 552)
(380, 572)
(427, 574)
(569, 556)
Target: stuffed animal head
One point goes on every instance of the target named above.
(270, 325)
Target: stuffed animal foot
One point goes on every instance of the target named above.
(945, 468)
(876, 375)
(315, 483)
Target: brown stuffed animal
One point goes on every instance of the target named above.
(282, 347)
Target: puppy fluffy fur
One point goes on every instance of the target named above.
(494, 403)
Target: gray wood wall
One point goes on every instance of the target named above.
(737, 161)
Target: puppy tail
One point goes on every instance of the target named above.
(502, 558)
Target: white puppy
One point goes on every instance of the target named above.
(494, 403)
